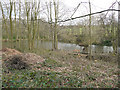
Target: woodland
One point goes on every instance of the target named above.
(44, 45)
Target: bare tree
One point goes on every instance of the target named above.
(51, 26)
(56, 11)
(20, 34)
(4, 20)
(27, 10)
(90, 43)
(35, 14)
(118, 33)
(10, 17)
(15, 22)
(114, 34)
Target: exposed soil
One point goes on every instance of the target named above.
(14, 59)
(6, 52)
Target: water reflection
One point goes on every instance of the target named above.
(65, 46)
(69, 46)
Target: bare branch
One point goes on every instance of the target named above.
(88, 15)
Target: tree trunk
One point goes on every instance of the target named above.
(119, 36)
(10, 17)
(90, 42)
(28, 28)
(118, 40)
(51, 26)
(20, 35)
(4, 24)
(15, 22)
(55, 25)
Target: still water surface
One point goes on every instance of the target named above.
(65, 46)
(69, 46)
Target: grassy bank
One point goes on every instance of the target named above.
(64, 69)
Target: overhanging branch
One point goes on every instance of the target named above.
(88, 15)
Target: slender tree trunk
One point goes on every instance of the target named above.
(119, 25)
(51, 29)
(15, 22)
(10, 17)
(55, 36)
(55, 25)
(34, 26)
(37, 32)
(28, 28)
(118, 40)
(20, 33)
(29, 40)
(114, 41)
(48, 11)
(90, 42)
